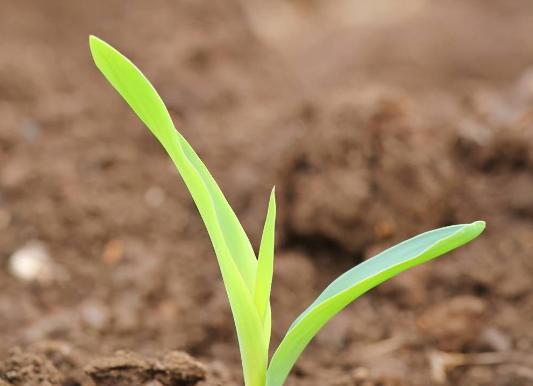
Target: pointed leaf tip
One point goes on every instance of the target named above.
(360, 279)
(480, 224)
(95, 42)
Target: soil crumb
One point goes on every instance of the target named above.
(359, 165)
(126, 368)
(27, 368)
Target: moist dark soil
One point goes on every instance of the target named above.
(376, 121)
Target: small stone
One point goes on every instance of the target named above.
(496, 339)
(360, 373)
(154, 197)
(32, 263)
(95, 315)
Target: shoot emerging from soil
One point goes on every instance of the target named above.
(248, 278)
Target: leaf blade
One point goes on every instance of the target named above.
(359, 280)
(142, 97)
(233, 250)
(265, 267)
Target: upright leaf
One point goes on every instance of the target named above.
(139, 93)
(234, 253)
(265, 267)
(359, 280)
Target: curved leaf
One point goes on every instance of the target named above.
(234, 253)
(139, 93)
(359, 280)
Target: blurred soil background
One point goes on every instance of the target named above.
(376, 120)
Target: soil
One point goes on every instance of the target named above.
(375, 121)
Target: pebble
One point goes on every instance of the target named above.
(360, 373)
(32, 263)
(496, 339)
(155, 196)
(95, 315)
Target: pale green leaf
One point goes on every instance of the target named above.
(126, 78)
(359, 280)
(265, 266)
(234, 253)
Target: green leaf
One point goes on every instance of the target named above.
(265, 267)
(234, 253)
(128, 80)
(359, 280)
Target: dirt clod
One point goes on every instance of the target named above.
(128, 368)
(353, 184)
(25, 368)
(454, 323)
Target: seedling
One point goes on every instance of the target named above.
(248, 279)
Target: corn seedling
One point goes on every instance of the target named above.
(248, 278)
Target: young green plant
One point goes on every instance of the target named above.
(248, 279)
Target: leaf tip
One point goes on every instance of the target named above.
(100, 49)
(476, 228)
(97, 47)
(94, 43)
(480, 224)
(272, 199)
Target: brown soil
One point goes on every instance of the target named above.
(375, 121)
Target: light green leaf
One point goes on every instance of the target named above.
(265, 266)
(126, 78)
(359, 280)
(234, 253)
